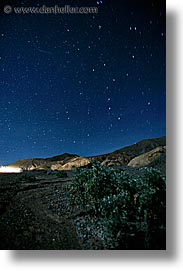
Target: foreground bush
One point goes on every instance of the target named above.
(61, 174)
(132, 211)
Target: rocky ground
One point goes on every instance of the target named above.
(34, 213)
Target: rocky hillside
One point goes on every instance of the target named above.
(70, 164)
(148, 158)
(44, 164)
(121, 157)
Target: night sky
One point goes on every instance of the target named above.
(85, 84)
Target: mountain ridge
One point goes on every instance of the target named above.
(119, 157)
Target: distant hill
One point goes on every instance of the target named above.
(43, 164)
(64, 156)
(66, 161)
(143, 146)
(125, 155)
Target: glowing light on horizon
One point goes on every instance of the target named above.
(10, 169)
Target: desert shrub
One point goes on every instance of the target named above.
(61, 174)
(91, 185)
(152, 208)
(132, 210)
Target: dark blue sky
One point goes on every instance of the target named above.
(85, 84)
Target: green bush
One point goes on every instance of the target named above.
(132, 210)
(61, 174)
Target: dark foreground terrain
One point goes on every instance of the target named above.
(35, 213)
